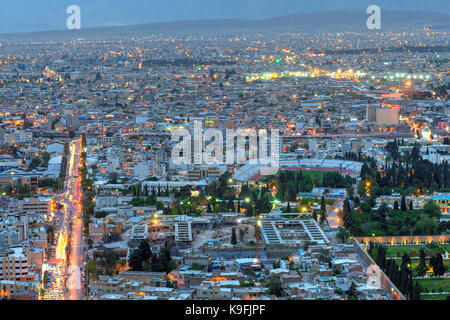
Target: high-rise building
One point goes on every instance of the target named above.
(381, 115)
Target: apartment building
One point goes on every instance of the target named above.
(14, 265)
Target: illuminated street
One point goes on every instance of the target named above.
(64, 270)
(224, 150)
(74, 212)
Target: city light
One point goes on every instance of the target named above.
(254, 161)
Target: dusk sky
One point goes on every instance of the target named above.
(43, 15)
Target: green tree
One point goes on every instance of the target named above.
(343, 235)
(352, 292)
(275, 286)
(416, 294)
(396, 205)
(432, 209)
(422, 268)
(403, 203)
(439, 267)
(144, 250)
(241, 234)
(233, 236)
(135, 261)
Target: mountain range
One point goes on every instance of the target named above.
(21, 16)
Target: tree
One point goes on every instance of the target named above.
(343, 235)
(135, 261)
(403, 203)
(322, 204)
(422, 268)
(439, 268)
(406, 260)
(35, 162)
(45, 158)
(275, 286)
(92, 267)
(144, 250)
(230, 205)
(396, 205)
(241, 234)
(233, 236)
(346, 207)
(323, 216)
(288, 207)
(432, 209)
(416, 294)
(352, 291)
(110, 257)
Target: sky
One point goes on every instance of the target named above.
(17, 16)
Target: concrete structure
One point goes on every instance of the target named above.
(292, 232)
(14, 265)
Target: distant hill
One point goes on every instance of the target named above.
(20, 16)
(330, 21)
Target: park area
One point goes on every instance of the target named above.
(397, 251)
(435, 286)
(431, 288)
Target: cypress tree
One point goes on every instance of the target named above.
(388, 267)
(403, 280)
(416, 293)
(440, 268)
(422, 268)
(392, 269)
(410, 288)
(323, 204)
(396, 205)
(233, 236)
(323, 217)
(403, 203)
(144, 250)
(433, 264)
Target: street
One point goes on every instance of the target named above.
(66, 265)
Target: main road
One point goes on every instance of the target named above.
(72, 199)
(74, 204)
(64, 280)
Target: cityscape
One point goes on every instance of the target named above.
(274, 157)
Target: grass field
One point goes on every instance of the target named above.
(398, 251)
(438, 285)
(415, 263)
(433, 297)
(313, 174)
